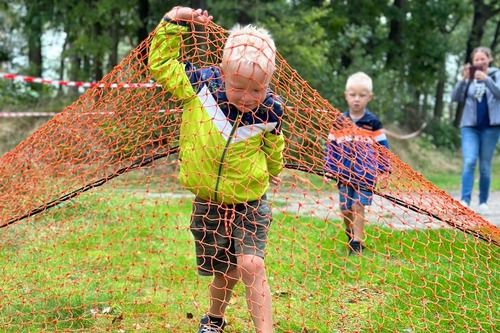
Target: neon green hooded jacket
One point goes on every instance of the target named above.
(225, 156)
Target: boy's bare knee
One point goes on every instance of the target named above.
(251, 268)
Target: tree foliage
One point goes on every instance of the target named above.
(412, 49)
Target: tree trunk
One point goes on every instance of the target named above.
(115, 40)
(35, 53)
(143, 31)
(395, 34)
(439, 105)
(35, 48)
(98, 70)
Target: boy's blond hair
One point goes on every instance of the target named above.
(359, 79)
(252, 45)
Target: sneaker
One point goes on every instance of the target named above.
(483, 208)
(464, 203)
(208, 327)
(355, 248)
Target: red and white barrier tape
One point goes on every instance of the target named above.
(52, 114)
(26, 114)
(32, 79)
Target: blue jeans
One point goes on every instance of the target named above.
(477, 144)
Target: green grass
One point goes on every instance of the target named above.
(441, 167)
(451, 180)
(408, 281)
(110, 261)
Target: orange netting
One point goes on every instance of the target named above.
(95, 225)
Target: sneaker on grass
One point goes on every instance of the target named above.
(355, 248)
(207, 326)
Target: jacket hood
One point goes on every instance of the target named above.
(492, 70)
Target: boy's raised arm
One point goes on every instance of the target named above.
(165, 49)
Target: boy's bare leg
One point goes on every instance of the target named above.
(348, 218)
(221, 290)
(358, 218)
(259, 301)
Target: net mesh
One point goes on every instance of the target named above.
(95, 225)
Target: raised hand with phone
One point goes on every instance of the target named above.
(472, 71)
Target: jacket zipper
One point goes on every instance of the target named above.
(223, 155)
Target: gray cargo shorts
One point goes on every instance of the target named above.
(224, 231)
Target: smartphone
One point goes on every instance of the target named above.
(472, 71)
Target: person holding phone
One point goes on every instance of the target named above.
(479, 90)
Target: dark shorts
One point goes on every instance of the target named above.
(222, 232)
(349, 195)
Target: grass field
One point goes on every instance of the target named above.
(72, 272)
(441, 167)
(451, 180)
(115, 261)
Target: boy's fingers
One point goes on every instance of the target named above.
(201, 16)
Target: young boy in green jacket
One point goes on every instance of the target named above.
(231, 148)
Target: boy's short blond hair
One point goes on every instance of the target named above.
(252, 45)
(359, 79)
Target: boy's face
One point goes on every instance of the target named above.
(246, 87)
(357, 97)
